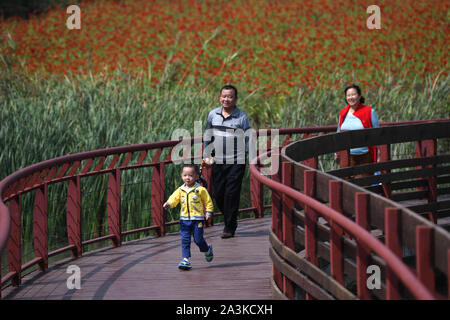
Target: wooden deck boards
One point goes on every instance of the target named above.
(147, 269)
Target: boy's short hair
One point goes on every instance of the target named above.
(190, 165)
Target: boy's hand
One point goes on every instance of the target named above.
(166, 205)
(208, 217)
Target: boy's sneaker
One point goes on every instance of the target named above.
(209, 255)
(184, 265)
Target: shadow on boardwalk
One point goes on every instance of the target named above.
(147, 269)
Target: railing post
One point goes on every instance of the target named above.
(113, 207)
(424, 254)
(256, 195)
(287, 223)
(392, 234)
(73, 219)
(276, 224)
(336, 242)
(448, 273)
(427, 148)
(40, 226)
(311, 218)
(157, 195)
(385, 155)
(14, 242)
(362, 256)
(345, 158)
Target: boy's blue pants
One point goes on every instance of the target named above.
(189, 228)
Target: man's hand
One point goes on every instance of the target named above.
(337, 159)
(166, 205)
(209, 161)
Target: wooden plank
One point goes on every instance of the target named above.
(276, 292)
(310, 287)
(389, 165)
(330, 143)
(402, 196)
(432, 206)
(299, 177)
(310, 270)
(350, 249)
(146, 269)
(408, 184)
(443, 179)
(322, 187)
(403, 175)
(443, 191)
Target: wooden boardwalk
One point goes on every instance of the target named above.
(147, 269)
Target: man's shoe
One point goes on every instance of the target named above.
(227, 235)
(209, 255)
(184, 265)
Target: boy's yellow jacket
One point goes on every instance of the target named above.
(192, 201)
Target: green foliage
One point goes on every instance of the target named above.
(43, 118)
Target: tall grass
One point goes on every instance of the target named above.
(43, 118)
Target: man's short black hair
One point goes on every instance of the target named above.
(230, 87)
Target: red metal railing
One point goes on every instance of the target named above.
(287, 262)
(71, 169)
(363, 236)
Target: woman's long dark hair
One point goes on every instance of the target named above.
(358, 89)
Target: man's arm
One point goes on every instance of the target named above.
(246, 126)
(207, 136)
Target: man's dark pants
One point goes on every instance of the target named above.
(227, 182)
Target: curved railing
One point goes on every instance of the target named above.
(70, 170)
(321, 221)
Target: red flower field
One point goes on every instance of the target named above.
(261, 43)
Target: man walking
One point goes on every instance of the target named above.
(224, 147)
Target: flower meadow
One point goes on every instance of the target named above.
(275, 46)
(137, 70)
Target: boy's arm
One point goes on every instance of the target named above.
(207, 201)
(173, 200)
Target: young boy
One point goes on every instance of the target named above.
(193, 198)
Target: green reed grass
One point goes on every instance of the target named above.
(43, 118)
